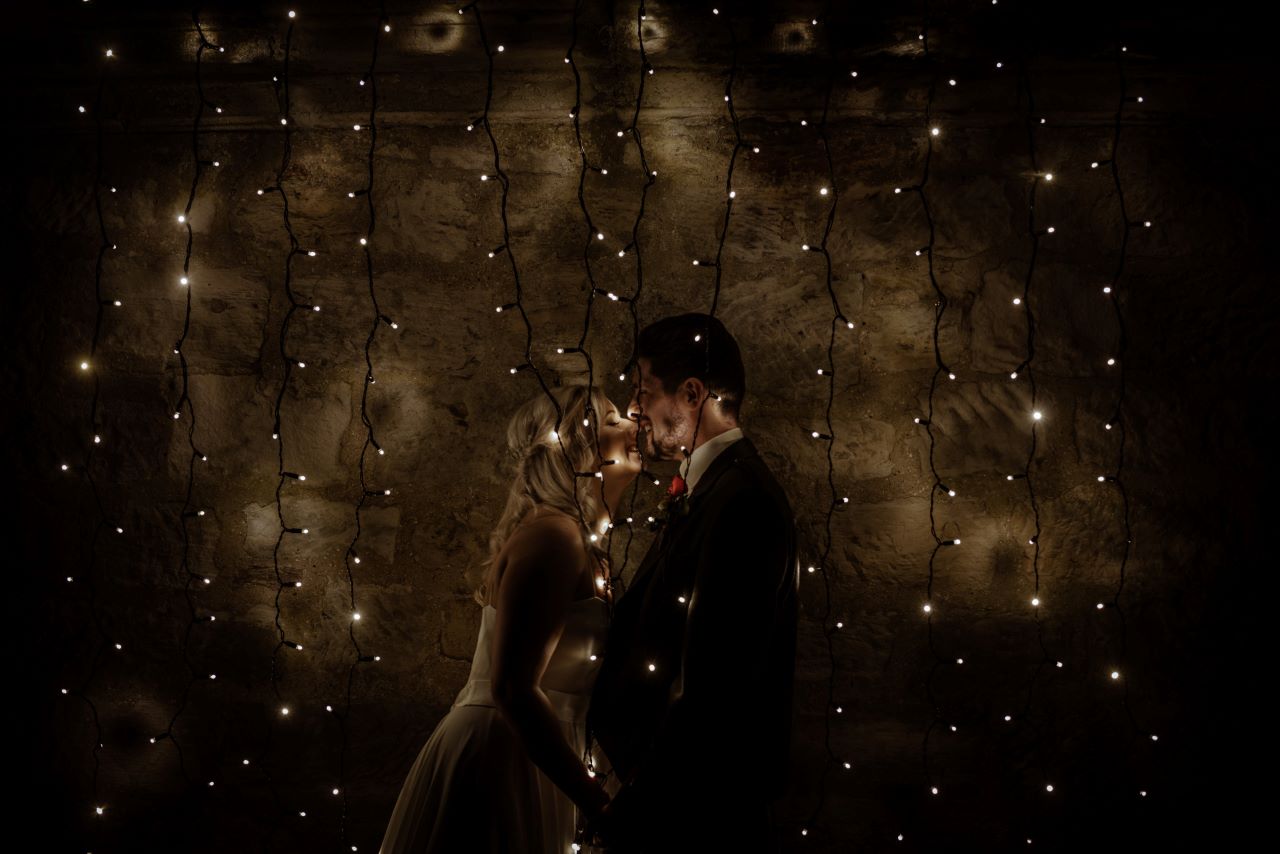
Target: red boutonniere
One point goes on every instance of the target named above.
(677, 487)
(676, 501)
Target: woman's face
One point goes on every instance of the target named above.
(618, 442)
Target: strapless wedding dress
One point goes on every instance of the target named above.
(472, 787)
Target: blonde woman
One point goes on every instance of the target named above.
(503, 771)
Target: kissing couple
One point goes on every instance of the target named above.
(658, 721)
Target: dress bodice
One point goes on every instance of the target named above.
(571, 672)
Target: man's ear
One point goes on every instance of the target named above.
(692, 390)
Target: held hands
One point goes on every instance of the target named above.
(598, 830)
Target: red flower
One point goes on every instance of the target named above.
(677, 487)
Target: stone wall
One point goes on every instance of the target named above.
(1189, 160)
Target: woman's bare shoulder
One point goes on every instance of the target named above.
(550, 543)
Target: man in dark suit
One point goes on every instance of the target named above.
(692, 704)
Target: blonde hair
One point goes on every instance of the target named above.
(543, 473)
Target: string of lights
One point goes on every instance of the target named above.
(1117, 420)
(505, 247)
(352, 555)
(943, 720)
(188, 514)
(281, 87)
(730, 195)
(593, 235)
(940, 308)
(88, 365)
(632, 248)
(830, 191)
(1024, 716)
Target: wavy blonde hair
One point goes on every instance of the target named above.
(543, 474)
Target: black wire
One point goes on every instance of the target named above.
(505, 246)
(836, 505)
(1117, 417)
(940, 308)
(632, 301)
(378, 318)
(1024, 717)
(282, 98)
(187, 513)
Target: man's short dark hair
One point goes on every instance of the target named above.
(674, 356)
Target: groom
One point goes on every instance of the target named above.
(692, 704)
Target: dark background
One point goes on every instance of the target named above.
(1195, 158)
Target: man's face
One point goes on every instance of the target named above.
(663, 423)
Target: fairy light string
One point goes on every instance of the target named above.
(89, 365)
(352, 556)
(633, 249)
(940, 308)
(729, 194)
(1117, 419)
(837, 503)
(281, 87)
(593, 236)
(1031, 120)
(188, 514)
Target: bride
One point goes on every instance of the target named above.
(503, 770)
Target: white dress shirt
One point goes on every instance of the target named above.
(702, 455)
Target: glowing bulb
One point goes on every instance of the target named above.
(935, 131)
(928, 609)
(652, 667)
(182, 218)
(1036, 415)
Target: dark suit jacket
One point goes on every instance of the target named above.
(702, 738)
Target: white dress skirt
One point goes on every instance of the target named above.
(473, 787)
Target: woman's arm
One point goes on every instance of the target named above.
(544, 568)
